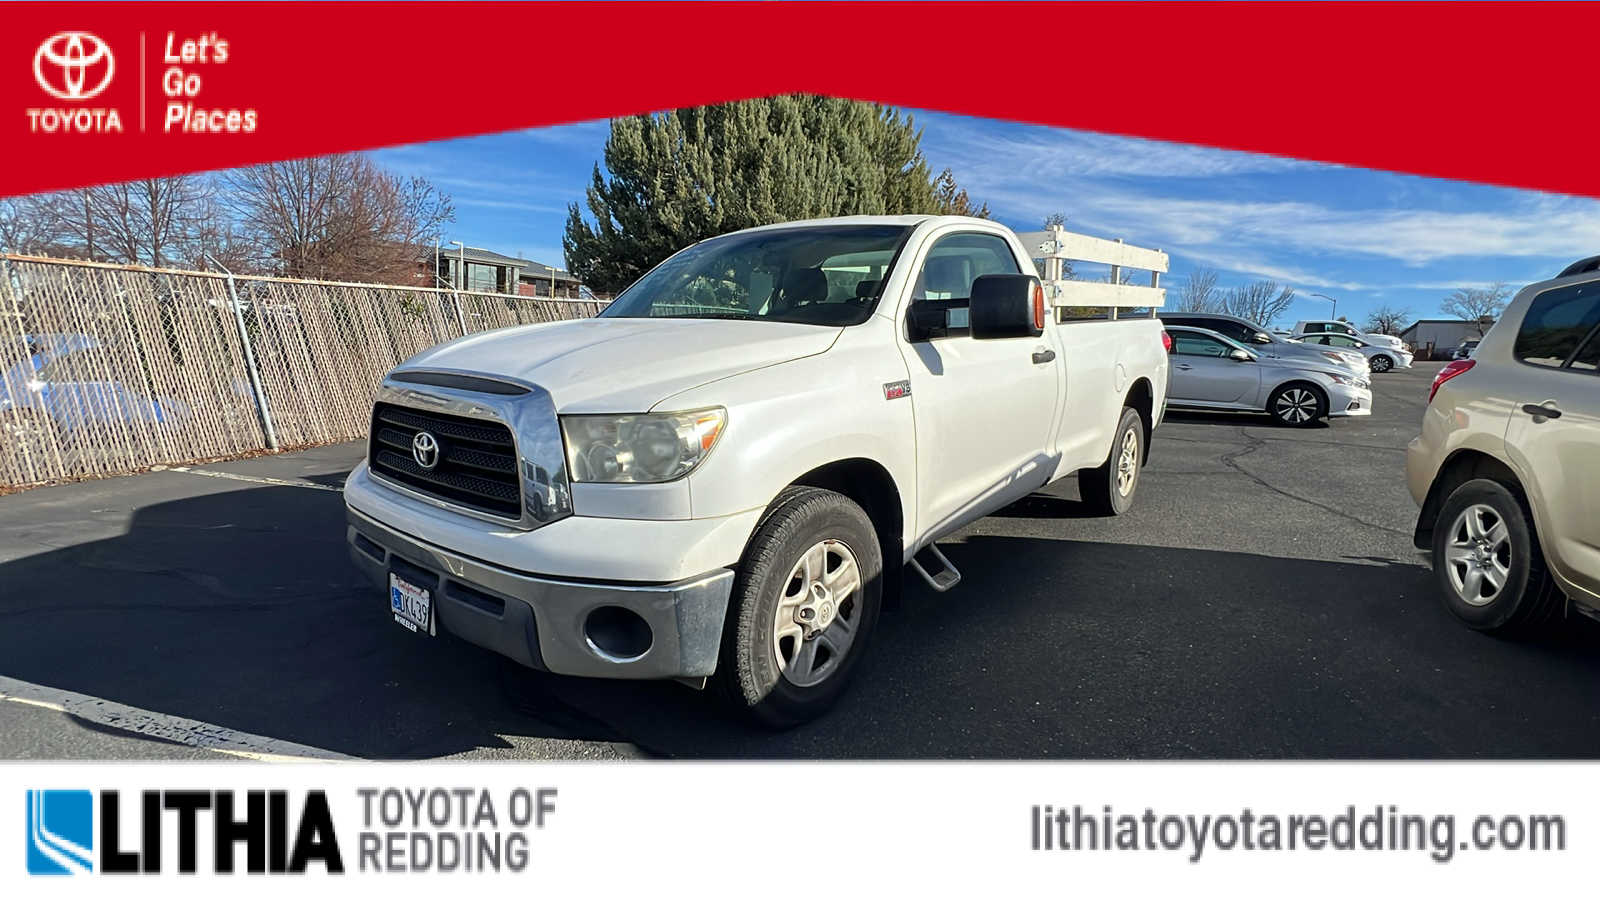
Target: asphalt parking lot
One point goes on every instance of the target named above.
(1262, 600)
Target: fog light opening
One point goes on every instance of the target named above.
(616, 634)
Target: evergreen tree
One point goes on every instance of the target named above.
(682, 176)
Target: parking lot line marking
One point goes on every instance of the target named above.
(258, 479)
(145, 723)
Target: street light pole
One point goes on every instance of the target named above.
(1330, 300)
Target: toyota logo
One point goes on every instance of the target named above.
(73, 65)
(425, 450)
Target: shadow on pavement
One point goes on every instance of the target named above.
(241, 609)
(1262, 420)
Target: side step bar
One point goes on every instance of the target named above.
(947, 576)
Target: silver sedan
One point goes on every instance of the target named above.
(1210, 371)
(1379, 357)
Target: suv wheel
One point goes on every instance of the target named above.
(1488, 561)
(804, 603)
(1298, 404)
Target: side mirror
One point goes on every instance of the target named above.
(1006, 306)
(1261, 337)
(1240, 355)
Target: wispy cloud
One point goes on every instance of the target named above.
(508, 204)
(984, 158)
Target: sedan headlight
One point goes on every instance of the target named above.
(1351, 380)
(639, 449)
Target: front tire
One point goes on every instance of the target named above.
(1108, 489)
(1381, 363)
(1488, 562)
(804, 604)
(1298, 404)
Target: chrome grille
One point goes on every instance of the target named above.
(477, 464)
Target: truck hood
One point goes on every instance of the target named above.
(626, 365)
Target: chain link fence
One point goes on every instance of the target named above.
(107, 369)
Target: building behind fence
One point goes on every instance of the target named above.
(107, 369)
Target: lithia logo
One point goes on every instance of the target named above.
(60, 832)
(258, 835)
(72, 67)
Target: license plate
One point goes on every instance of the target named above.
(412, 606)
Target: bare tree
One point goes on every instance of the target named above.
(75, 223)
(149, 221)
(1199, 293)
(1477, 304)
(216, 240)
(29, 225)
(1387, 319)
(338, 217)
(1259, 301)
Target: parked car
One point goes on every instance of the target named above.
(1465, 349)
(1211, 371)
(1507, 467)
(65, 385)
(721, 475)
(1265, 343)
(1379, 359)
(1339, 326)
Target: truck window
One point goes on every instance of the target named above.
(1556, 323)
(943, 290)
(957, 261)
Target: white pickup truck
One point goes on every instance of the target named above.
(724, 474)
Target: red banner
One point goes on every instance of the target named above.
(108, 92)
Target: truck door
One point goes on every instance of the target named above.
(984, 409)
(1553, 436)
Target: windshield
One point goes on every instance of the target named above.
(814, 275)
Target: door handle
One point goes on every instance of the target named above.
(1184, 366)
(1541, 412)
(1044, 356)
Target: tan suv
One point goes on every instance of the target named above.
(1507, 468)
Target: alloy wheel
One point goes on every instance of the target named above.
(1296, 406)
(1478, 555)
(818, 613)
(1128, 462)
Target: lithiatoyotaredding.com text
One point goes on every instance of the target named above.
(1378, 828)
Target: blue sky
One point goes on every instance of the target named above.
(1366, 238)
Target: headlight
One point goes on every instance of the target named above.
(642, 448)
(1351, 380)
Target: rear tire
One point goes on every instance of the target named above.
(1488, 562)
(1109, 488)
(1298, 404)
(814, 561)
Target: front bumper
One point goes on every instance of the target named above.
(1344, 400)
(553, 624)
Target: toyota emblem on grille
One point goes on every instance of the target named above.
(425, 450)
